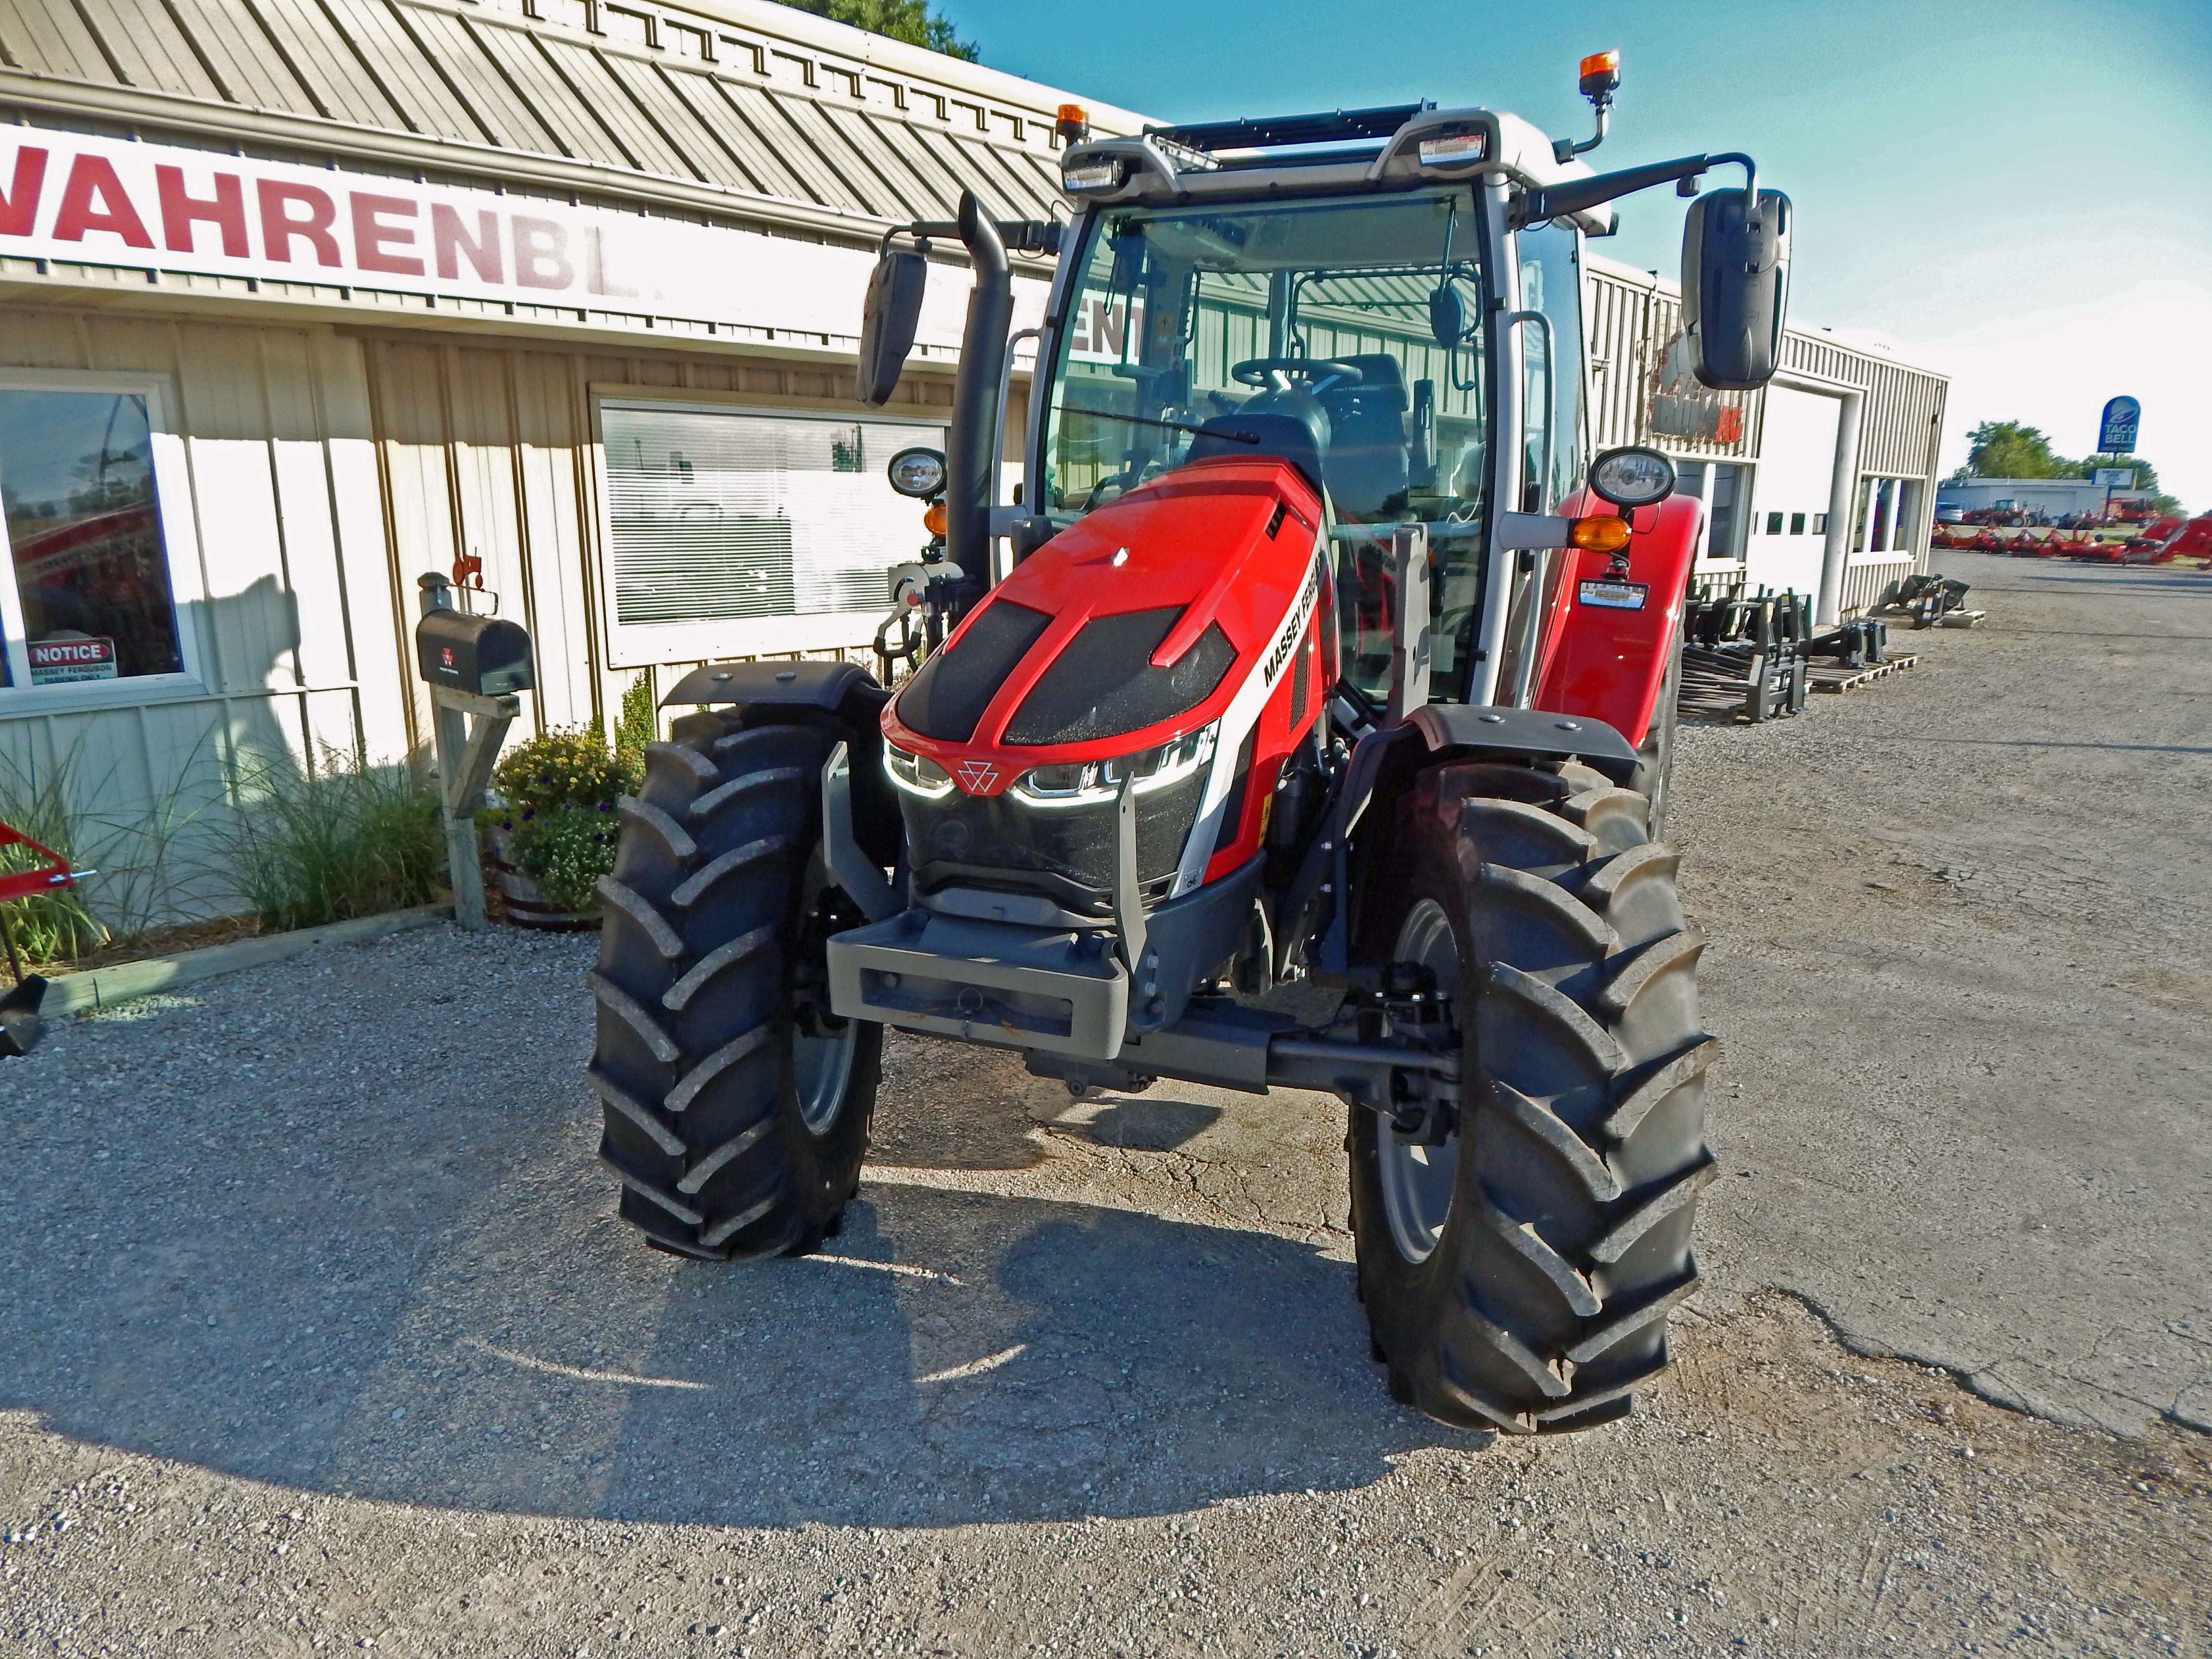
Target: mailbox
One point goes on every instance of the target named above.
(488, 655)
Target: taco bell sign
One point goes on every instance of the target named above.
(2116, 428)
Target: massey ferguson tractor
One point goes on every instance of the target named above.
(1314, 650)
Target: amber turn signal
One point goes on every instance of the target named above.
(1602, 532)
(933, 520)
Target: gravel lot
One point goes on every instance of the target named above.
(321, 1334)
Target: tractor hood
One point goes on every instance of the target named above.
(1136, 625)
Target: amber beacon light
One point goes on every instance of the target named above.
(1600, 76)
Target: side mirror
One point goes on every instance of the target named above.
(1735, 287)
(1447, 316)
(892, 312)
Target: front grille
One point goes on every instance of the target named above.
(1064, 852)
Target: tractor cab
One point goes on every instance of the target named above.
(1343, 333)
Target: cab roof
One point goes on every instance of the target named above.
(1347, 151)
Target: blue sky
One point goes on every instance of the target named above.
(2020, 195)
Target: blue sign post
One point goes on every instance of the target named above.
(2116, 428)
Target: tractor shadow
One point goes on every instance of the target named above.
(430, 1302)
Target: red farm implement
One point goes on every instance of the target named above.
(20, 1024)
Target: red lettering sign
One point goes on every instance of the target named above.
(19, 208)
(94, 199)
(279, 225)
(370, 235)
(226, 208)
(447, 239)
(541, 250)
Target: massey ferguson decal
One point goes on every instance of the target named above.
(1295, 630)
(977, 776)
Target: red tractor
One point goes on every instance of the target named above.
(1321, 651)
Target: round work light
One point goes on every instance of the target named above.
(1630, 477)
(918, 473)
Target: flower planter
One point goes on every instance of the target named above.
(521, 901)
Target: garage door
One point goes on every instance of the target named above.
(1790, 492)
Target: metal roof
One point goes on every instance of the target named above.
(732, 108)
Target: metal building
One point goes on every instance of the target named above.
(300, 298)
(1822, 484)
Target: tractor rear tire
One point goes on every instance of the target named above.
(1519, 1277)
(736, 1106)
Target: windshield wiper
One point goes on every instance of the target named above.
(1171, 426)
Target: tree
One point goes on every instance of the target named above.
(910, 20)
(2010, 449)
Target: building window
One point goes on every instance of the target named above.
(1819, 524)
(736, 532)
(1720, 485)
(1774, 523)
(90, 595)
(1796, 524)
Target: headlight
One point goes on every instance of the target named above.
(917, 775)
(1087, 783)
(1452, 149)
(1093, 173)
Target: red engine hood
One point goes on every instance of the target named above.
(1229, 540)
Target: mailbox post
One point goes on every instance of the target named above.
(474, 666)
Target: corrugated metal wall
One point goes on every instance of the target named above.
(488, 449)
(639, 94)
(1630, 322)
(1632, 317)
(285, 528)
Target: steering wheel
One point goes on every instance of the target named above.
(1256, 371)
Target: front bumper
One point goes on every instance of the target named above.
(1054, 990)
(983, 981)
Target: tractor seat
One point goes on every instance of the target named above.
(1369, 461)
(1291, 436)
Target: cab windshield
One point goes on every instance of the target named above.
(1343, 334)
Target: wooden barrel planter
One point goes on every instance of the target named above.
(520, 901)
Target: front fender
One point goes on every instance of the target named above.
(1605, 657)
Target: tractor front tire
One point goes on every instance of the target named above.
(1654, 778)
(1518, 1277)
(736, 1106)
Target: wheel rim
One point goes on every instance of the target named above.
(821, 1068)
(1417, 1181)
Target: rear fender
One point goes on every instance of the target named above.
(1605, 657)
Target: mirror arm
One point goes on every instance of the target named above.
(1019, 235)
(1577, 195)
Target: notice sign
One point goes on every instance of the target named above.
(55, 662)
(1615, 596)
